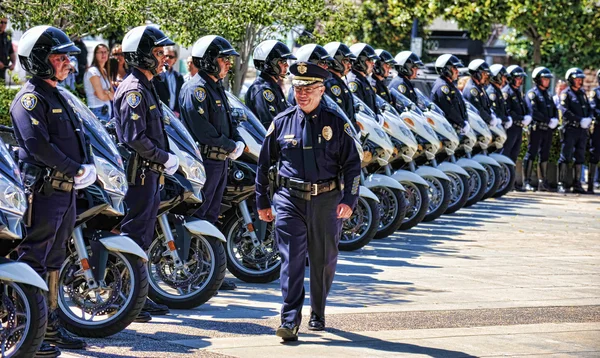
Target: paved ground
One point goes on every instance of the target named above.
(517, 276)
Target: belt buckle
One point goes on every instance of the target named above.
(314, 190)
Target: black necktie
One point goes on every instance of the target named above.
(310, 164)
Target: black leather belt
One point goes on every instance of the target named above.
(540, 126)
(304, 189)
(214, 153)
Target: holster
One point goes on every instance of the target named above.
(273, 180)
(31, 175)
(214, 153)
(132, 162)
(60, 181)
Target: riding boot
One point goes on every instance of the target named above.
(563, 169)
(591, 175)
(47, 350)
(542, 180)
(56, 334)
(527, 169)
(577, 188)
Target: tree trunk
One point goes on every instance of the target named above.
(244, 47)
(537, 51)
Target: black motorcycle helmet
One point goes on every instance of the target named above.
(497, 71)
(37, 44)
(314, 53)
(206, 51)
(477, 67)
(338, 52)
(138, 45)
(267, 55)
(539, 73)
(384, 57)
(406, 61)
(444, 64)
(572, 74)
(515, 72)
(363, 52)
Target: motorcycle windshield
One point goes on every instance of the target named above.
(246, 118)
(426, 104)
(8, 167)
(384, 106)
(404, 104)
(179, 133)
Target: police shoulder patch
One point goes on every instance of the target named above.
(200, 94)
(336, 90)
(269, 95)
(29, 101)
(474, 92)
(353, 86)
(271, 129)
(531, 95)
(348, 130)
(445, 89)
(134, 99)
(402, 88)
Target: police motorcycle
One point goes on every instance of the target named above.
(23, 310)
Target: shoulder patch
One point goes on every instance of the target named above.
(505, 94)
(200, 94)
(445, 89)
(353, 86)
(493, 96)
(269, 95)
(134, 99)
(402, 88)
(29, 101)
(271, 129)
(336, 90)
(348, 130)
(563, 96)
(531, 95)
(474, 92)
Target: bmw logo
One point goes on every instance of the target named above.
(238, 175)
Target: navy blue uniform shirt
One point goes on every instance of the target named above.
(476, 95)
(541, 105)
(47, 129)
(574, 106)
(595, 99)
(334, 148)
(266, 99)
(498, 102)
(360, 86)
(381, 89)
(445, 94)
(517, 108)
(337, 89)
(404, 86)
(206, 113)
(139, 116)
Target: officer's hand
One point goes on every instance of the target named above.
(343, 211)
(526, 120)
(237, 152)
(553, 123)
(172, 164)
(87, 178)
(466, 129)
(508, 123)
(266, 215)
(585, 122)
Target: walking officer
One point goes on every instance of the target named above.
(54, 160)
(313, 148)
(445, 94)
(475, 93)
(381, 72)
(545, 119)
(335, 86)
(265, 97)
(407, 66)
(140, 129)
(577, 118)
(362, 67)
(594, 137)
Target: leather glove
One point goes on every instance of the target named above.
(526, 120)
(172, 164)
(87, 178)
(553, 123)
(239, 149)
(508, 123)
(466, 128)
(585, 122)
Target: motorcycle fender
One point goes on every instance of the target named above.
(426, 170)
(405, 175)
(484, 159)
(469, 163)
(452, 168)
(375, 180)
(502, 159)
(204, 228)
(22, 273)
(366, 193)
(124, 244)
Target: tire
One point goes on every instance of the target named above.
(477, 178)
(507, 179)
(417, 202)
(239, 249)
(392, 208)
(166, 292)
(361, 227)
(459, 192)
(439, 197)
(493, 181)
(30, 304)
(135, 282)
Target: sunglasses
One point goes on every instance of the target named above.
(306, 90)
(227, 58)
(170, 57)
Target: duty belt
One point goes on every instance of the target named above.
(540, 126)
(304, 189)
(213, 152)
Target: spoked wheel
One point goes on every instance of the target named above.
(507, 179)
(392, 208)
(244, 260)
(191, 282)
(439, 197)
(493, 181)
(477, 185)
(109, 308)
(417, 202)
(361, 227)
(459, 192)
(23, 314)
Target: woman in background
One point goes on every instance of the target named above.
(98, 89)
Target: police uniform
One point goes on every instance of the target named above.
(337, 89)
(312, 151)
(266, 99)
(206, 113)
(517, 109)
(6, 50)
(574, 106)
(360, 86)
(404, 86)
(478, 97)
(449, 99)
(542, 109)
(51, 139)
(595, 128)
(381, 89)
(140, 127)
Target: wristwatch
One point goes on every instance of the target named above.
(80, 171)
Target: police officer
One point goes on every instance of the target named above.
(335, 86)
(494, 91)
(407, 66)
(362, 67)
(545, 119)
(140, 129)
(381, 72)
(594, 137)
(312, 53)
(475, 93)
(313, 147)
(54, 160)
(445, 94)
(577, 118)
(265, 97)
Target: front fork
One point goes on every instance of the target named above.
(169, 241)
(87, 268)
(251, 226)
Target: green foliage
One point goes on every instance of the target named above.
(6, 97)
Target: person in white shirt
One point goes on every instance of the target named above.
(97, 85)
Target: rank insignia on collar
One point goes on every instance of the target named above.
(336, 90)
(445, 89)
(29, 101)
(402, 89)
(135, 116)
(353, 86)
(474, 92)
(531, 95)
(302, 68)
(134, 99)
(269, 96)
(327, 133)
(200, 94)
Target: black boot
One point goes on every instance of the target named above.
(56, 334)
(542, 180)
(47, 351)
(577, 188)
(154, 308)
(591, 175)
(563, 168)
(527, 169)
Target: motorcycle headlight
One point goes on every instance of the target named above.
(193, 168)
(12, 198)
(113, 180)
